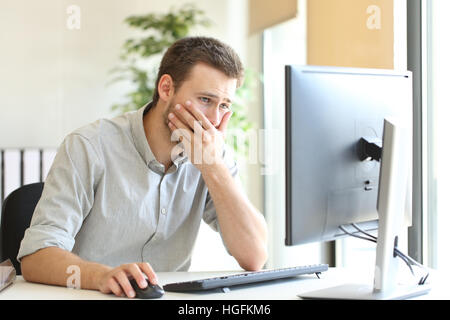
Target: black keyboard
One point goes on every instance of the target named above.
(244, 278)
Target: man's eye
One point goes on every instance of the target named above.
(225, 106)
(205, 99)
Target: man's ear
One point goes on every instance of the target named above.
(166, 87)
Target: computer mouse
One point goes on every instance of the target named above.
(152, 291)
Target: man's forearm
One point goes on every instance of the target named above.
(242, 225)
(50, 266)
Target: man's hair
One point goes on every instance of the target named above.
(187, 52)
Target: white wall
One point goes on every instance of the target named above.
(53, 79)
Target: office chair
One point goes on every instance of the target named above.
(17, 210)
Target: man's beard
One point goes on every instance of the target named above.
(170, 109)
(171, 136)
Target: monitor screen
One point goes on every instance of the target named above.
(328, 111)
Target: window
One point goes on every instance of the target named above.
(438, 114)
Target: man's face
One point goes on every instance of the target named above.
(210, 90)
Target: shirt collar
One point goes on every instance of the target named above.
(141, 143)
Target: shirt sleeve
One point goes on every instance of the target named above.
(67, 197)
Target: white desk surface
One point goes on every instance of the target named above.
(286, 289)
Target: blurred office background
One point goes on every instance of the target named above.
(54, 76)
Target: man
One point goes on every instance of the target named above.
(125, 197)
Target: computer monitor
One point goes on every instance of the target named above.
(339, 129)
(328, 111)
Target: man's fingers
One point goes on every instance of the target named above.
(114, 287)
(226, 118)
(184, 130)
(117, 281)
(122, 278)
(148, 270)
(179, 134)
(137, 274)
(206, 124)
(186, 115)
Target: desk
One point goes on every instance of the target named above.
(286, 289)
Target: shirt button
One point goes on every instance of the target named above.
(163, 211)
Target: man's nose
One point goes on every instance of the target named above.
(213, 115)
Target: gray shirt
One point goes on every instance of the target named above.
(108, 200)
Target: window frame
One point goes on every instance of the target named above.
(417, 34)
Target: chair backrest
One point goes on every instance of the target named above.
(17, 210)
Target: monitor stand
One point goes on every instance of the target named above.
(394, 172)
(366, 292)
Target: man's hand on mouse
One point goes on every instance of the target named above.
(117, 281)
